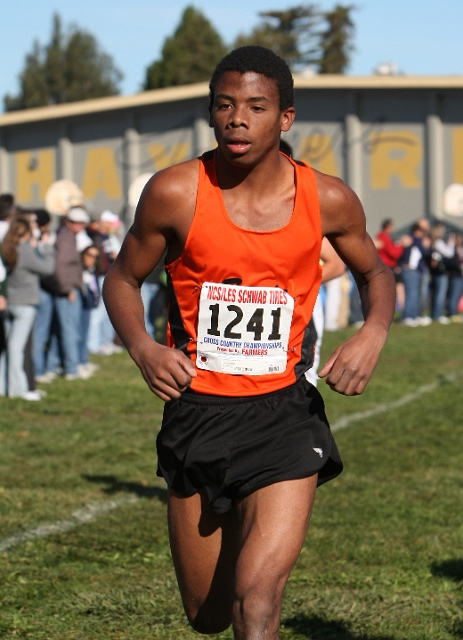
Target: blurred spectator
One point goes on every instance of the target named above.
(152, 294)
(91, 295)
(355, 310)
(46, 350)
(413, 264)
(441, 252)
(332, 267)
(26, 260)
(28, 350)
(390, 252)
(110, 225)
(7, 209)
(333, 297)
(103, 234)
(68, 300)
(455, 269)
(6, 203)
(425, 294)
(344, 307)
(2, 302)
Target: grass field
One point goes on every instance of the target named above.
(383, 559)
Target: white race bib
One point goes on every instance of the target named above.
(243, 330)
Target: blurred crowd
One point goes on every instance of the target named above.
(428, 267)
(52, 269)
(52, 314)
(427, 263)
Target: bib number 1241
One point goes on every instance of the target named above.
(243, 329)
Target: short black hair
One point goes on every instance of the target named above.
(259, 60)
(6, 205)
(7, 198)
(43, 217)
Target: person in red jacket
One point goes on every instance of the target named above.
(390, 253)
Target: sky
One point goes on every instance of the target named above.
(420, 37)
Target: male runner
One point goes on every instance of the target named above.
(244, 439)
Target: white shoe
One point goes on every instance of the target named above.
(105, 350)
(83, 372)
(109, 349)
(32, 396)
(410, 322)
(443, 320)
(116, 348)
(91, 366)
(46, 378)
(424, 321)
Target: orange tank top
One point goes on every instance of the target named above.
(241, 301)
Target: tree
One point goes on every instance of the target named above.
(291, 34)
(71, 67)
(190, 55)
(34, 90)
(336, 40)
(304, 35)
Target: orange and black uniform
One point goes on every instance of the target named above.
(218, 251)
(239, 263)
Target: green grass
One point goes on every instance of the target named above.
(383, 559)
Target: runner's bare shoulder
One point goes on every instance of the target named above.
(168, 200)
(340, 207)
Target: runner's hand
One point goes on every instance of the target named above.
(351, 366)
(168, 372)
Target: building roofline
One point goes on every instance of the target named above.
(337, 81)
(201, 90)
(157, 96)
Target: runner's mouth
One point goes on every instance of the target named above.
(238, 146)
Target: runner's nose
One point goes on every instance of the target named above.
(237, 118)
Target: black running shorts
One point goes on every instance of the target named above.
(234, 446)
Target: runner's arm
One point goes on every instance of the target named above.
(160, 221)
(351, 365)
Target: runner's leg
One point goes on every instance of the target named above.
(268, 527)
(204, 551)
(273, 522)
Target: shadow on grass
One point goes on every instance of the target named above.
(452, 569)
(115, 486)
(316, 628)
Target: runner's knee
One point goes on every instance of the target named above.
(257, 605)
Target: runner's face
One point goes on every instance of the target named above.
(246, 116)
